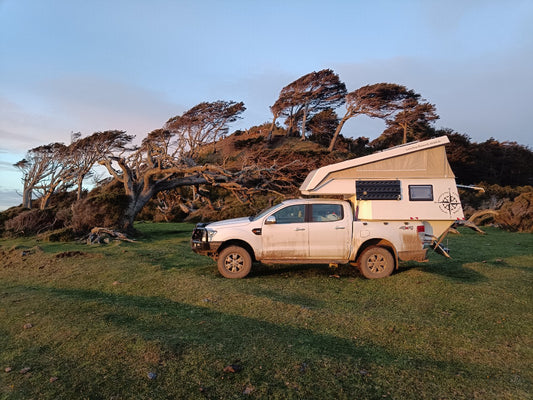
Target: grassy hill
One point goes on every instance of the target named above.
(153, 320)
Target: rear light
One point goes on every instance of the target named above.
(420, 229)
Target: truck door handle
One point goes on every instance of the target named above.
(299, 229)
(340, 227)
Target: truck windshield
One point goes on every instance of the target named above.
(264, 212)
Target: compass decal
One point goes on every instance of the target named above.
(449, 202)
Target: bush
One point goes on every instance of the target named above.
(103, 207)
(517, 215)
(240, 144)
(32, 222)
(494, 197)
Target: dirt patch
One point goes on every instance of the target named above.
(68, 254)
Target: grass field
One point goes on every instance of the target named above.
(152, 320)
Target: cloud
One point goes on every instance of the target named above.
(6, 166)
(484, 97)
(98, 104)
(23, 128)
(54, 108)
(258, 91)
(9, 198)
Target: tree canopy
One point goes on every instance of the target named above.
(379, 100)
(307, 96)
(204, 123)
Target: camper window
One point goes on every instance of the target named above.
(421, 192)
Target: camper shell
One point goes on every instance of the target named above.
(405, 183)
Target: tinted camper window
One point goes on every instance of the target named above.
(421, 192)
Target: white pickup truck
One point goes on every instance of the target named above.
(319, 231)
(396, 204)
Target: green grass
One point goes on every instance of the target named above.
(104, 319)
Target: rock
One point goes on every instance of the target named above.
(303, 367)
(8, 369)
(233, 368)
(53, 379)
(152, 375)
(248, 390)
(25, 370)
(28, 326)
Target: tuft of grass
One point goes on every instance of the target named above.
(153, 320)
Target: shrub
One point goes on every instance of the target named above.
(103, 207)
(239, 144)
(517, 215)
(32, 222)
(494, 197)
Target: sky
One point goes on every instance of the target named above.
(87, 66)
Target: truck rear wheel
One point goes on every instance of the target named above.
(376, 262)
(234, 262)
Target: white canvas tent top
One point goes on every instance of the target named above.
(417, 160)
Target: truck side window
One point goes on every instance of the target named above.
(290, 214)
(326, 212)
(421, 192)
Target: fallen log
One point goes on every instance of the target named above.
(103, 235)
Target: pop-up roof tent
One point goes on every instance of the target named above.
(411, 181)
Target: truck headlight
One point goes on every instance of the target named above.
(210, 234)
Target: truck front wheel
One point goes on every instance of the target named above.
(376, 262)
(234, 262)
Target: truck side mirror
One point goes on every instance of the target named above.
(270, 220)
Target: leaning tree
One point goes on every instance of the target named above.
(379, 100)
(414, 117)
(204, 123)
(85, 152)
(306, 97)
(166, 157)
(45, 170)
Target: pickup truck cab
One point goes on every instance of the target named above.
(317, 231)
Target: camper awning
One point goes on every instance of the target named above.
(426, 159)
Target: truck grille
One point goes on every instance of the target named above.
(199, 233)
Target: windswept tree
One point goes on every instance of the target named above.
(204, 123)
(322, 126)
(414, 117)
(165, 159)
(306, 97)
(45, 170)
(60, 174)
(379, 100)
(87, 151)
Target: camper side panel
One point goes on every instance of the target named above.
(420, 199)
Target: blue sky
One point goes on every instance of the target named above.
(75, 65)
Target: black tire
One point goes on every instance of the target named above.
(376, 262)
(234, 262)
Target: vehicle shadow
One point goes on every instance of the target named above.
(261, 270)
(451, 270)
